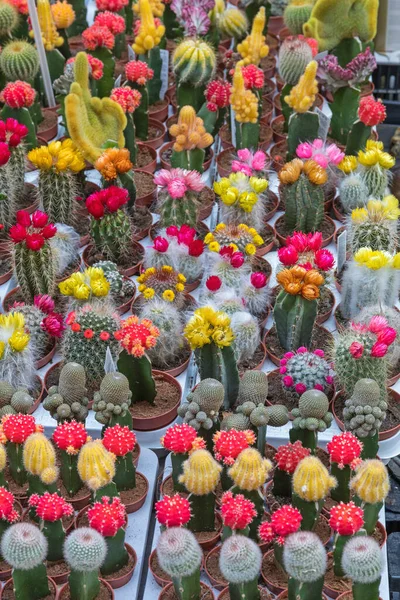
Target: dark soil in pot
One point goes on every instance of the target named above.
(135, 257)
(338, 584)
(144, 184)
(167, 397)
(5, 265)
(154, 133)
(7, 593)
(70, 269)
(141, 220)
(130, 496)
(277, 394)
(321, 338)
(167, 153)
(327, 229)
(123, 571)
(255, 361)
(144, 157)
(105, 593)
(273, 572)
(49, 123)
(80, 494)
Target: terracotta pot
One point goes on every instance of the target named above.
(149, 198)
(278, 137)
(132, 507)
(338, 285)
(223, 172)
(273, 42)
(165, 590)
(210, 543)
(167, 165)
(280, 84)
(6, 277)
(47, 358)
(325, 316)
(273, 588)
(272, 87)
(51, 132)
(159, 580)
(117, 582)
(164, 419)
(39, 398)
(383, 435)
(284, 596)
(276, 359)
(339, 215)
(129, 271)
(367, 89)
(151, 167)
(217, 584)
(224, 143)
(278, 155)
(273, 210)
(84, 239)
(205, 211)
(10, 584)
(140, 235)
(348, 596)
(80, 503)
(159, 140)
(159, 114)
(284, 33)
(325, 241)
(275, 24)
(60, 593)
(224, 594)
(266, 115)
(261, 250)
(123, 308)
(262, 323)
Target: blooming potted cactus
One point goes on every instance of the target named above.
(303, 370)
(191, 141)
(237, 513)
(96, 468)
(344, 453)
(362, 564)
(180, 440)
(240, 563)
(69, 437)
(242, 199)
(18, 98)
(227, 447)
(39, 459)
(99, 41)
(16, 429)
(309, 418)
(346, 520)
(138, 74)
(287, 458)
(370, 485)
(129, 100)
(194, 65)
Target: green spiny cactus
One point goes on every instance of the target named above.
(294, 319)
(353, 192)
(85, 551)
(177, 211)
(194, 65)
(202, 407)
(240, 564)
(21, 402)
(278, 7)
(112, 275)
(6, 393)
(376, 236)
(65, 246)
(68, 400)
(35, 270)
(362, 563)
(111, 403)
(112, 235)
(294, 56)
(12, 183)
(8, 19)
(247, 335)
(57, 191)
(310, 417)
(7, 410)
(180, 556)
(309, 369)
(392, 315)
(304, 557)
(24, 547)
(376, 179)
(278, 415)
(304, 202)
(33, 319)
(233, 23)
(235, 421)
(296, 14)
(166, 317)
(253, 387)
(19, 60)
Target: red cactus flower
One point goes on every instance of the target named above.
(17, 233)
(258, 280)
(387, 336)
(18, 94)
(128, 99)
(7, 512)
(346, 519)
(96, 36)
(17, 428)
(356, 349)
(12, 132)
(288, 457)
(138, 72)
(379, 350)
(217, 94)
(288, 255)
(21, 6)
(266, 532)
(4, 154)
(284, 521)
(344, 449)
(213, 283)
(34, 241)
(229, 444)
(137, 336)
(371, 112)
(53, 325)
(96, 66)
(27, 230)
(39, 219)
(324, 260)
(108, 516)
(253, 77)
(119, 440)
(173, 511)
(23, 218)
(45, 303)
(115, 23)
(196, 248)
(237, 511)
(50, 507)
(112, 5)
(70, 437)
(181, 439)
(110, 199)
(160, 244)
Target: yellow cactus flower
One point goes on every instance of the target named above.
(169, 295)
(50, 37)
(311, 480)
(232, 22)
(371, 481)
(244, 102)
(375, 155)
(359, 215)
(92, 282)
(373, 259)
(241, 189)
(148, 293)
(157, 8)
(302, 95)
(149, 35)
(49, 475)
(201, 473)
(396, 261)
(59, 156)
(250, 470)
(13, 333)
(391, 208)
(189, 131)
(253, 48)
(207, 326)
(214, 247)
(348, 164)
(63, 14)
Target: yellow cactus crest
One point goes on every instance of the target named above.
(253, 48)
(371, 481)
(149, 34)
(39, 455)
(302, 95)
(243, 102)
(200, 473)
(50, 36)
(250, 470)
(96, 466)
(3, 457)
(311, 480)
(190, 132)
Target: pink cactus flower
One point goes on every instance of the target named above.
(300, 388)
(249, 162)
(160, 244)
(379, 350)
(356, 349)
(287, 381)
(304, 150)
(258, 280)
(178, 181)
(387, 336)
(377, 324)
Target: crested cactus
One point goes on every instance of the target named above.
(111, 403)
(240, 564)
(305, 562)
(68, 400)
(69, 437)
(121, 441)
(180, 556)
(49, 509)
(194, 64)
(310, 417)
(311, 484)
(39, 459)
(85, 551)
(96, 468)
(370, 485)
(24, 547)
(296, 13)
(362, 563)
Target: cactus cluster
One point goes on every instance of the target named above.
(13, 399)
(111, 403)
(68, 401)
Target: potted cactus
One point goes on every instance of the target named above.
(245, 105)
(287, 458)
(138, 74)
(191, 140)
(362, 563)
(180, 440)
(111, 403)
(309, 418)
(16, 429)
(69, 437)
(370, 485)
(178, 202)
(67, 401)
(243, 199)
(39, 459)
(237, 513)
(346, 520)
(240, 564)
(306, 370)
(194, 64)
(227, 447)
(344, 453)
(304, 558)
(284, 522)
(96, 468)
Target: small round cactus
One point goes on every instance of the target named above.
(294, 56)
(305, 370)
(113, 398)
(240, 559)
(296, 14)
(353, 192)
(178, 552)
(24, 546)
(311, 480)
(194, 62)
(85, 549)
(312, 413)
(68, 400)
(8, 18)
(21, 401)
(362, 560)
(304, 556)
(19, 60)
(278, 415)
(207, 398)
(6, 392)
(253, 387)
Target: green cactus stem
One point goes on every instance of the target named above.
(125, 472)
(173, 30)
(80, 23)
(287, 111)
(282, 483)
(106, 83)
(138, 373)
(34, 270)
(302, 127)
(141, 114)
(294, 318)
(252, 9)
(304, 205)
(117, 555)
(370, 446)
(32, 584)
(23, 116)
(310, 511)
(54, 532)
(110, 490)
(130, 137)
(311, 590)
(341, 493)
(248, 589)
(177, 461)
(16, 463)
(357, 138)
(191, 160)
(203, 512)
(69, 472)
(188, 587)
(247, 135)
(307, 437)
(220, 364)
(189, 94)
(257, 498)
(226, 481)
(84, 585)
(366, 591)
(371, 513)
(153, 59)
(112, 235)
(344, 114)
(36, 486)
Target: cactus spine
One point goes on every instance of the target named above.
(296, 13)
(39, 461)
(240, 564)
(85, 551)
(180, 556)
(362, 563)
(68, 400)
(96, 468)
(111, 403)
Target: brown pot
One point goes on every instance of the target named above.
(266, 115)
(284, 596)
(123, 308)
(217, 584)
(164, 591)
(84, 239)
(158, 141)
(261, 250)
(367, 89)
(339, 215)
(164, 419)
(272, 87)
(273, 42)
(147, 199)
(275, 24)
(160, 114)
(51, 132)
(325, 241)
(210, 543)
(325, 316)
(277, 136)
(159, 580)
(167, 165)
(47, 358)
(132, 507)
(273, 210)
(128, 272)
(383, 435)
(39, 398)
(284, 33)
(151, 167)
(224, 143)
(205, 211)
(274, 588)
(10, 584)
(227, 152)
(224, 594)
(269, 72)
(117, 582)
(226, 43)
(278, 155)
(7, 276)
(276, 359)
(60, 593)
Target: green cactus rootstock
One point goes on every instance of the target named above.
(153, 59)
(178, 211)
(117, 555)
(344, 114)
(192, 160)
(294, 318)
(304, 205)
(35, 270)
(302, 128)
(247, 135)
(220, 364)
(112, 235)
(138, 373)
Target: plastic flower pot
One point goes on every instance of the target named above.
(151, 166)
(62, 593)
(8, 589)
(162, 419)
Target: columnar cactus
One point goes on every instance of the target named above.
(240, 564)
(16, 135)
(69, 437)
(311, 484)
(68, 401)
(180, 556)
(353, 192)
(96, 468)
(201, 474)
(138, 74)
(362, 563)
(253, 48)
(16, 357)
(194, 64)
(310, 417)
(49, 510)
(344, 452)
(296, 13)
(17, 429)
(24, 547)
(180, 440)
(287, 458)
(304, 558)
(237, 513)
(121, 442)
(345, 520)
(111, 403)
(371, 486)
(374, 225)
(85, 551)
(39, 459)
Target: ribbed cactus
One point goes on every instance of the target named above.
(180, 556)
(68, 400)
(19, 61)
(48, 510)
(40, 463)
(311, 484)
(96, 468)
(294, 56)
(305, 561)
(296, 13)
(112, 401)
(18, 400)
(8, 19)
(85, 551)
(371, 486)
(310, 417)
(362, 563)
(247, 335)
(240, 564)
(376, 236)
(353, 192)
(202, 407)
(233, 23)
(24, 547)
(194, 64)
(166, 317)
(17, 429)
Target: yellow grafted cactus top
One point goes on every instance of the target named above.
(157, 8)
(243, 102)
(311, 480)
(189, 132)
(50, 36)
(253, 48)
(250, 470)
(371, 481)
(302, 95)
(333, 20)
(96, 466)
(63, 14)
(374, 155)
(39, 458)
(3, 457)
(200, 473)
(92, 121)
(149, 34)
